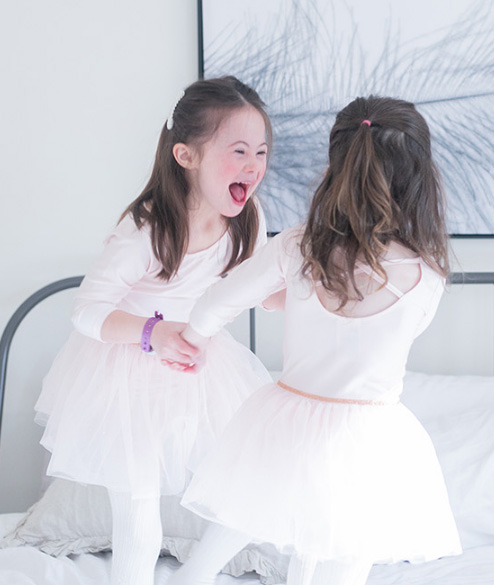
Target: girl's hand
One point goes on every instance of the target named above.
(196, 341)
(276, 301)
(171, 348)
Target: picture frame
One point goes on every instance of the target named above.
(308, 58)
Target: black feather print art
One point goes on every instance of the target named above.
(308, 58)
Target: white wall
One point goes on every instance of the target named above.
(86, 87)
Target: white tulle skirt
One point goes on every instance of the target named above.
(334, 481)
(115, 416)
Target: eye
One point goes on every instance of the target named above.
(239, 151)
(262, 153)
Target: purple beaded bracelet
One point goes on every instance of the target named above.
(147, 329)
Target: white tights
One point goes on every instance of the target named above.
(137, 535)
(210, 555)
(220, 544)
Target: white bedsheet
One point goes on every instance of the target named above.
(474, 567)
(28, 566)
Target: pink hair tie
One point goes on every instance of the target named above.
(368, 122)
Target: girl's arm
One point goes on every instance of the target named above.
(276, 301)
(166, 341)
(248, 285)
(126, 258)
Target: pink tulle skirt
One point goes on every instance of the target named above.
(334, 481)
(115, 416)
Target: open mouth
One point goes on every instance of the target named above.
(238, 191)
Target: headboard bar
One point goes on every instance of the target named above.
(471, 278)
(16, 319)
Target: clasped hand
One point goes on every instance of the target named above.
(173, 350)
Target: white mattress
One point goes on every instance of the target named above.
(28, 566)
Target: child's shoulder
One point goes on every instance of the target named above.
(291, 233)
(127, 230)
(291, 237)
(287, 244)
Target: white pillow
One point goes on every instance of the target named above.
(72, 518)
(458, 414)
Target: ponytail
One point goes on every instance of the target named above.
(362, 198)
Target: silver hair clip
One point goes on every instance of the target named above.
(169, 121)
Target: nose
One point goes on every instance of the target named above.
(250, 165)
(253, 164)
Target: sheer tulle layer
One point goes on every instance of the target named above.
(116, 417)
(329, 480)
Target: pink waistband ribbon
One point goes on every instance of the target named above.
(331, 399)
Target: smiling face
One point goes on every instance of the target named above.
(227, 169)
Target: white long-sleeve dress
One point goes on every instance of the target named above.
(327, 462)
(114, 415)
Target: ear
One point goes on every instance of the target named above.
(185, 156)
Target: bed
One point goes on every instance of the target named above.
(64, 536)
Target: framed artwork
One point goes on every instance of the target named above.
(309, 58)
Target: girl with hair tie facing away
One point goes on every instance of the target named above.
(114, 415)
(327, 464)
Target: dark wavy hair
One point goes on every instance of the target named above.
(162, 204)
(381, 185)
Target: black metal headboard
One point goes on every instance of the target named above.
(471, 278)
(16, 319)
(75, 281)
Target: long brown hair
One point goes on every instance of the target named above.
(381, 185)
(162, 204)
